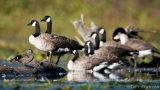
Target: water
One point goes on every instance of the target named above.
(125, 78)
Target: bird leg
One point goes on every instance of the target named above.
(58, 59)
(47, 56)
(50, 54)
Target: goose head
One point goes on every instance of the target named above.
(24, 58)
(102, 31)
(95, 36)
(120, 35)
(33, 23)
(89, 48)
(46, 19)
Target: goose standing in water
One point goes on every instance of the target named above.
(51, 43)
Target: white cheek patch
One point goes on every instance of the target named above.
(74, 51)
(34, 24)
(94, 36)
(116, 37)
(88, 44)
(101, 31)
(48, 20)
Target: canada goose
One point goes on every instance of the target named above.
(103, 32)
(95, 36)
(51, 43)
(114, 50)
(24, 58)
(103, 42)
(142, 46)
(93, 63)
(109, 43)
(48, 19)
(85, 62)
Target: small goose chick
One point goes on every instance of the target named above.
(24, 58)
(51, 43)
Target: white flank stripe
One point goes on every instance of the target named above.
(113, 66)
(99, 67)
(144, 53)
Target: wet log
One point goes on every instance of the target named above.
(31, 66)
(34, 68)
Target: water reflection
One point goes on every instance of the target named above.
(130, 74)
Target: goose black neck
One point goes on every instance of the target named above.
(49, 27)
(103, 39)
(86, 50)
(97, 42)
(76, 56)
(37, 30)
(91, 49)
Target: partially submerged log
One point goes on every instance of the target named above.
(30, 66)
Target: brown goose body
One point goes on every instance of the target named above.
(138, 44)
(142, 46)
(112, 54)
(51, 43)
(84, 63)
(103, 42)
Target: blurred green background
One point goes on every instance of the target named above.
(16, 14)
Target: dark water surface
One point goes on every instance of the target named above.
(125, 78)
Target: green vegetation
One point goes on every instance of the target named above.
(16, 14)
